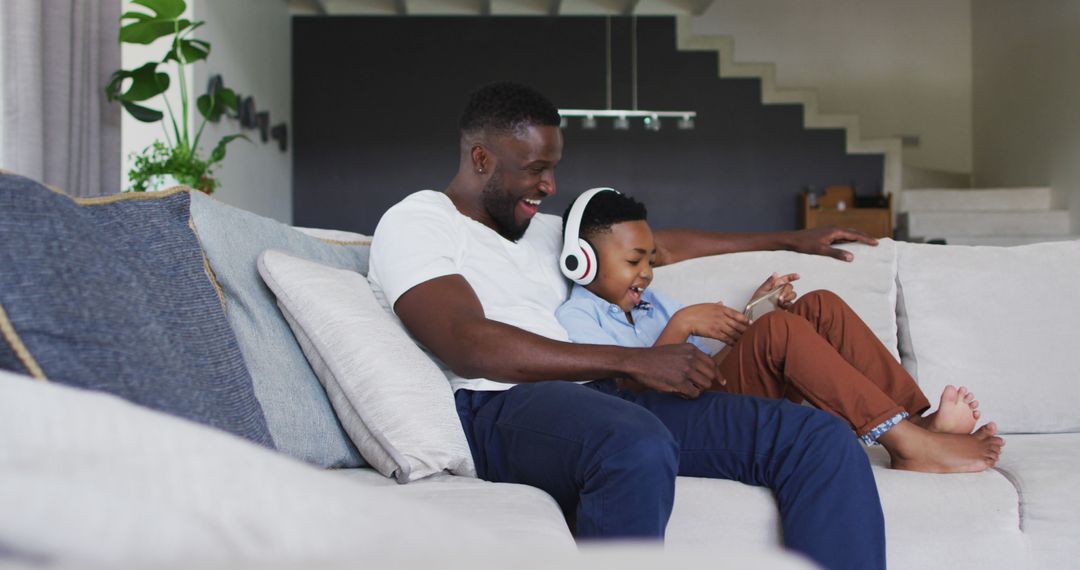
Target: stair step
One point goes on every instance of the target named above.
(932, 225)
(976, 200)
(1005, 240)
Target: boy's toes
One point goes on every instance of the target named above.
(949, 395)
(988, 430)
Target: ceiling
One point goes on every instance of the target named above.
(497, 7)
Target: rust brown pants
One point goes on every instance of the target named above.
(822, 352)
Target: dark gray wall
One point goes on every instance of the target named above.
(376, 102)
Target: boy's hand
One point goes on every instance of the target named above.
(712, 320)
(787, 296)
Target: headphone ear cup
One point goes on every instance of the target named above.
(592, 263)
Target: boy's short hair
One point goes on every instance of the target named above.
(506, 107)
(606, 209)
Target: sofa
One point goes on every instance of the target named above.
(105, 474)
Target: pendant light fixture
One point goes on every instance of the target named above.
(651, 119)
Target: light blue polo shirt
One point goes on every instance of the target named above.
(588, 319)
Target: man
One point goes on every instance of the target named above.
(472, 272)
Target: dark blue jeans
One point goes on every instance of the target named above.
(609, 457)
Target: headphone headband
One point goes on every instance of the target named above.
(578, 261)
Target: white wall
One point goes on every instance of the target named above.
(1027, 96)
(251, 48)
(902, 67)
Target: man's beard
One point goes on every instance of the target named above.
(500, 205)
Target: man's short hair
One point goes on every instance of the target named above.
(605, 210)
(506, 107)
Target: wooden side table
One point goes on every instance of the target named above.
(875, 222)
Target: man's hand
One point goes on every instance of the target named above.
(679, 369)
(787, 295)
(819, 241)
(712, 320)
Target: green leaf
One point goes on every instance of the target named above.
(205, 105)
(213, 105)
(146, 82)
(218, 153)
(192, 50)
(229, 99)
(146, 31)
(141, 113)
(164, 9)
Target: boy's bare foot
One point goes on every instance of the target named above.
(913, 448)
(957, 412)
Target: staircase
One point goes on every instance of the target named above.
(772, 94)
(997, 216)
(683, 11)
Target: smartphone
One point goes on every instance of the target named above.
(763, 304)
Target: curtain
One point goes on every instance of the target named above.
(56, 57)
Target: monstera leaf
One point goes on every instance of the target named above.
(218, 154)
(190, 49)
(143, 28)
(213, 105)
(146, 82)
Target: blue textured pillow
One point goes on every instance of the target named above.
(297, 409)
(113, 295)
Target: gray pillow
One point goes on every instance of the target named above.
(113, 295)
(297, 409)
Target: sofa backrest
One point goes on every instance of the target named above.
(1003, 321)
(868, 284)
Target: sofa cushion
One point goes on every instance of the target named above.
(967, 520)
(1001, 321)
(931, 521)
(297, 410)
(517, 513)
(868, 284)
(112, 294)
(392, 399)
(87, 479)
(1045, 469)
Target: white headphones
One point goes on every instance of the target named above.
(578, 261)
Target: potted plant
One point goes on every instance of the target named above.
(176, 157)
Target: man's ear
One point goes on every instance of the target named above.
(481, 160)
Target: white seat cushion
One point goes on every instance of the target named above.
(867, 284)
(931, 521)
(1045, 468)
(951, 521)
(518, 513)
(89, 478)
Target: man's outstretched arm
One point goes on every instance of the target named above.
(678, 245)
(445, 315)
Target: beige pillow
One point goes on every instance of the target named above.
(392, 400)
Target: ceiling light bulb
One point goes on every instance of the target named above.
(622, 123)
(589, 122)
(686, 123)
(563, 122)
(652, 123)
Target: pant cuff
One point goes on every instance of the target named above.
(871, 437)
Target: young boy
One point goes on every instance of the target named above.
(815, 349)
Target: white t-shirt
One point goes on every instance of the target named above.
(424, 237)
